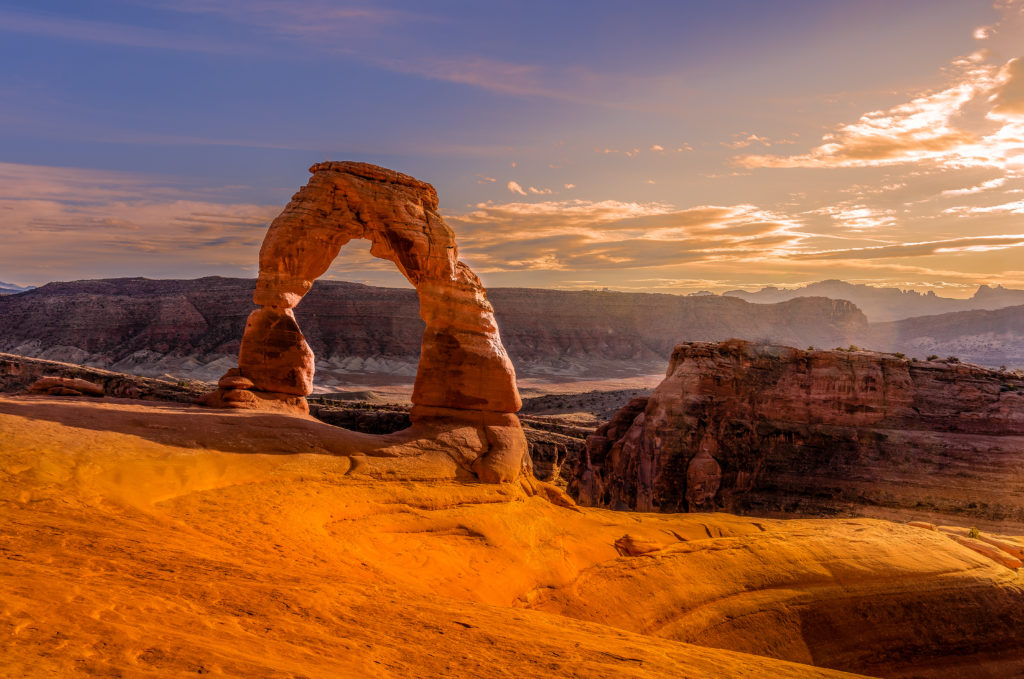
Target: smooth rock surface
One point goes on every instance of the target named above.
(155, 540)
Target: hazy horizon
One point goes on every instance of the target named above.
(957, 294)
(672, 147)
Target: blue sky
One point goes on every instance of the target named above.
(668, 146)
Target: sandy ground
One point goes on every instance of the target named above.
(146, 541)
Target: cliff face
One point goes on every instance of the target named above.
(191, 328)
(768, 428)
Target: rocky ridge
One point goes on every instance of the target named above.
(19, 373)
(365, 335)
(992, 338)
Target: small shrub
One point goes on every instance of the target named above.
(932, 357)
(810, 348)
(952, 359)
(974, 533)
(853, 347)
(899, 355)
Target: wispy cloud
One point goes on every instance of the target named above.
(124, 35)
(744, 139)
(584, 235)
(952, 245)
(857, 218)
(984, 186)
(110, 223)
(1012, 208)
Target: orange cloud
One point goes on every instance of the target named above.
(119, 223)
(514, 187)
(585, 235)
(973, 244)
(932, 128)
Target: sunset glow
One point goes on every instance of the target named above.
(670, 147)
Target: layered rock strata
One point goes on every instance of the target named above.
(370, 335)
(769, 429)
(464, 377)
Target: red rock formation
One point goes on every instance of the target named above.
(464, 375)
(815, 432)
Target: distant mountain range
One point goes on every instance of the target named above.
(992, 338)
(192, 328)
(12, 289)
(888, 304)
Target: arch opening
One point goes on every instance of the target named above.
(464, 374)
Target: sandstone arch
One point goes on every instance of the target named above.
(464, 377)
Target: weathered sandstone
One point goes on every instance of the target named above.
(1014, 546)
(768, 429)
(464, 378)
(65, 386)
(991, 551)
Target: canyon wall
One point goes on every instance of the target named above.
(769, 429)
(192, 328)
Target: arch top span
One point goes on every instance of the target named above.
(463, 366)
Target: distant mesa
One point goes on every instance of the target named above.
(464, 378)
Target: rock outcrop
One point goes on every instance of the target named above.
(464, 375)
(769, 429)
(20, 374)
(65, 386)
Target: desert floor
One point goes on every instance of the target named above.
(151, 540)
